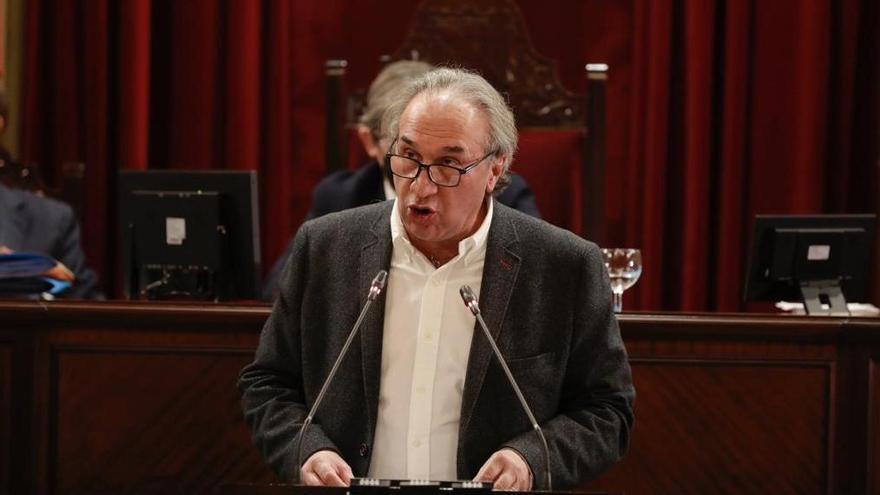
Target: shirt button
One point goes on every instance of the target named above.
(364, 450)
(435, 282)
(417, 443)
(420, 390)
(429, 336)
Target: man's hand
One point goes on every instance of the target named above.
(325, 468)
(60, 272)
(507, 471)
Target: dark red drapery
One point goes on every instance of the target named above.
(742, 108)
(717, 110)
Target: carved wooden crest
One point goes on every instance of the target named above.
(490, 36)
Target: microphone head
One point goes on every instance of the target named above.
(470, 299)
(378, 285)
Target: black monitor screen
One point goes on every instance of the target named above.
(790, 252)
(187, 234)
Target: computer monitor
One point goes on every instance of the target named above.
(819, 259)
(189, 234)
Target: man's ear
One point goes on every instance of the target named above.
(370, 145)
(496, 170)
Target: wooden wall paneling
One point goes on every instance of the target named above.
(149, 420)
(140, 398)
(726, 427)
(863, 345)
(873, 457)
(853, 468)
(712, 343)
(40, 427)
(18, 456)
(6, 447)
(42, 326)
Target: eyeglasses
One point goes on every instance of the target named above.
(440, 174)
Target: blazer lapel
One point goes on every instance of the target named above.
(499, 278)
(375, 256)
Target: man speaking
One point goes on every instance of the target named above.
(420, 394)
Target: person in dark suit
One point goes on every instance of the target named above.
(419, 395)
(35, 224)
(371, 183)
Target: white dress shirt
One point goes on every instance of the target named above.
(425, 346)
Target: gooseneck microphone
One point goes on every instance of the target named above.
(470, 300)
(376, 288)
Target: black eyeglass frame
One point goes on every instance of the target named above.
(461, 171)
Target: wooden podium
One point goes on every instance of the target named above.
(119, 397)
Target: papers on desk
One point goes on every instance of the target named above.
(855, 309)
(22, 273)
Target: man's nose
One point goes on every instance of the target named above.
(422, 184)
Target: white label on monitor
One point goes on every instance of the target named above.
(175, 231)
(820, 252)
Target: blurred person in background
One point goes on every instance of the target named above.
(371, 183)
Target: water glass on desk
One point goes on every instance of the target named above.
(624, 268)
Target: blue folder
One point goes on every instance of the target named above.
(22, 273)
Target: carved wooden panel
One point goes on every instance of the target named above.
(5, 418)
(150, 421)
(726, 427)
(490, 36)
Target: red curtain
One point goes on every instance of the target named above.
(741, 108)
(166, 85)
(717, 110)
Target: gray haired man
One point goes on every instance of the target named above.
(420, 396)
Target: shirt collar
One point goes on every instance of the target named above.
(388, 188)
(469, 248)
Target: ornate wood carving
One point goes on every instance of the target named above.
(490, 36)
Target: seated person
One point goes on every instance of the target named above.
(34, 224)
(371, 183)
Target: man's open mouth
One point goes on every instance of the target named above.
(421, 211)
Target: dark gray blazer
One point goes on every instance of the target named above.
(346, 189)
(545, 296)
(35, 224)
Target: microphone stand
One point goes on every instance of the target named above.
(376, 288)
(470, 300)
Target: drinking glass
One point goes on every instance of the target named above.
(624, 267)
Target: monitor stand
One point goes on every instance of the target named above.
(815, 292)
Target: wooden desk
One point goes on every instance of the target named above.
(141, 398)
